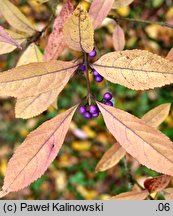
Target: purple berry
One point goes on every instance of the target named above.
(107, 96)
(95, 115)
(98, 78)
(95, 73)
(87, 115)
(93, 109)
(82, 109)
(109, 103)
(82, 67)
(93, 53)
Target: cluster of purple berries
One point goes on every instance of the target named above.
(107, 99)
(97, 76)
(89, 112)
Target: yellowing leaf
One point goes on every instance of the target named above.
(35, 84)
(78, 31)
(121, 3)
(170, 55)
(157, 184)
(5, 37)
(132, 195)
(6, 47)
(118, 38)
(31, 54)
(35, 154)
(135, 69)
(145, 143)
(113, 155)
(99, 10)
(15, 18)
(157, 115)
(56, 43)
(110, 158)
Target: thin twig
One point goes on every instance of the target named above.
(164, 24)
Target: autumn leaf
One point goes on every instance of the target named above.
(145, 143)
(15, 18)
(32, 158)
(121, 3)
(132, 195)
(118, 38)
(170, 55)
(135, 69)
(35, 84)
(157, 184)
(78, 31)
(110, 158)
(31, 54)
(5, 37)
(56, 43)
(6, 47)
(99, 10)
(114, 154)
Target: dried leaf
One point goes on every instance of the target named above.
(135, 69)
(121, 3)
(132, 195)
(110, 158)
(99, 10)
(5, 37)
(157, 115)
(78, 31)
(118, 38)
(34, 83)
(31, 54)
(33, 157)
(170, 55)
(157, 184)
(113, 155)
(15, 18)
(145, 143)
(7, 48)
(56, 43)
(168, 192)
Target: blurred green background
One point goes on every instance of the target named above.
(72, 174)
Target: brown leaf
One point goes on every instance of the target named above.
(56, 43)
(15, 18)
(113, 155)
(34, 83)
(170, 55)
(35, 154)
(168, 192)
(99, 10)
(135, 69)
(157, 115)
(78, 31)
(6, 47)
(157, 184)
(121, 3)
(5, 37)
(145, 143)
(132, 195)
(118, 38)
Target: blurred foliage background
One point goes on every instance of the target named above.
(72, 174)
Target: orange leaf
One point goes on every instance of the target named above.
(157, 184)
(78, 31)
(33, 157)
(145, 143)
(135, 69)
